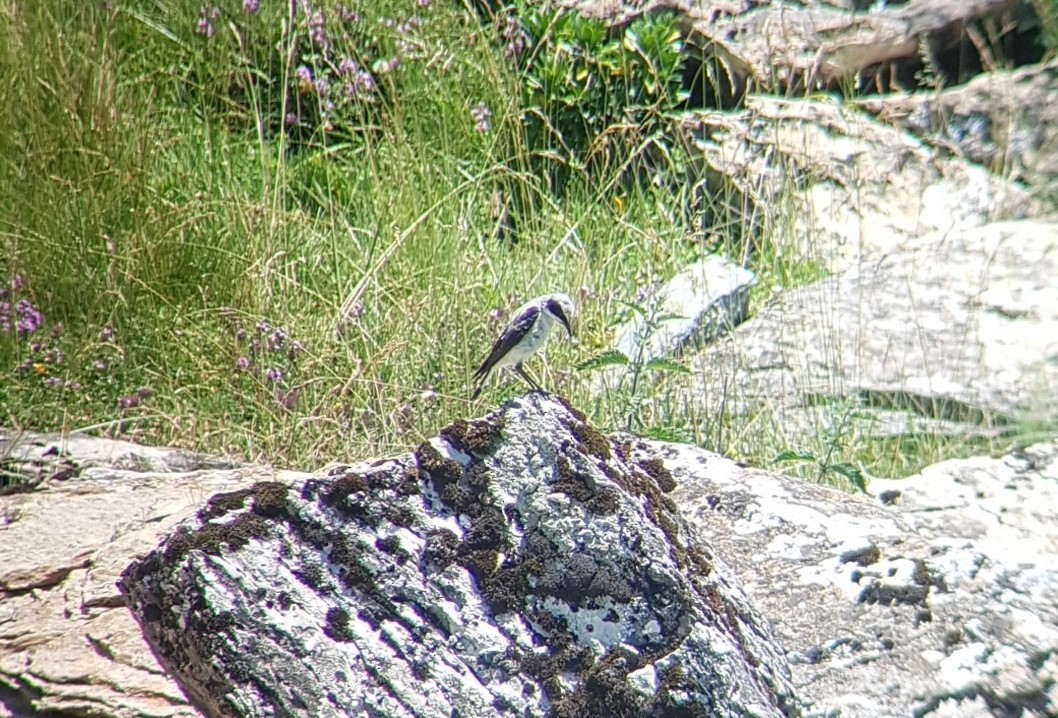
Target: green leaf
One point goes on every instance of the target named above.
(663, 364)
(601, 361)
(634, 307)
(852, 473)
(668, 317)
(794, 456)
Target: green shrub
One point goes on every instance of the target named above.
(596, 101)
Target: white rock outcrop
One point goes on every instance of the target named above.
(517, 565)
(937, 598)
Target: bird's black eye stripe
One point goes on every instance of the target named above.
(556, 309)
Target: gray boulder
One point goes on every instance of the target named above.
(937, 598)
(702, 302)
(839, 185)
(1006, 121)
(940, 599)
(952, 332)
(517, 565)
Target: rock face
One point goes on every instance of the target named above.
(842, 186)
(35, 458)
(957, 330)
(939, 600)
(518, 565)
(68, 645)
(788, 48)
(1006, 121)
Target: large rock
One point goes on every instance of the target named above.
(29, 458)
(68, 645)
(702, 302)
(787, 48)
(1006, 121)
(939, 600)
(826, 183)
(517, 565)
(957, 331)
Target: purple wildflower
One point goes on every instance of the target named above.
(100, 365)
(204, 26)
(348, 15)
(514, 36)
(303, 76)
(347, 66)
(105, 334)
(250, 6)
(53, 381)
(274, 375)
(291, 119)
(29, 319)
(129, 402)
(318, 29)
(383, 67)
(363, 82)
(321, 87)
(242, 363)
(17, 282)
(240, 334)
(481, 114)
(424, 3)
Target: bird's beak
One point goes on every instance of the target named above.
(565, 323)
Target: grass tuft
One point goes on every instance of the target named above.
(290, 235)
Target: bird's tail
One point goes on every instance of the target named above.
(479, 380)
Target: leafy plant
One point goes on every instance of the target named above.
(835, 441)
(594, 100)
(637, 366)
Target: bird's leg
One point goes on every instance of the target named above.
(528, 379)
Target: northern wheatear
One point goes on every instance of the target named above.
(524, 334)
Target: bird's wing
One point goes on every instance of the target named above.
(518, 328)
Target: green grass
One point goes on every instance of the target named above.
(158, 214)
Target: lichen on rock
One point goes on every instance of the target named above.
(513, 565)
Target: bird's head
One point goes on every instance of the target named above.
(560, 306)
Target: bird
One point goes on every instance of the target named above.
(524, 335)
